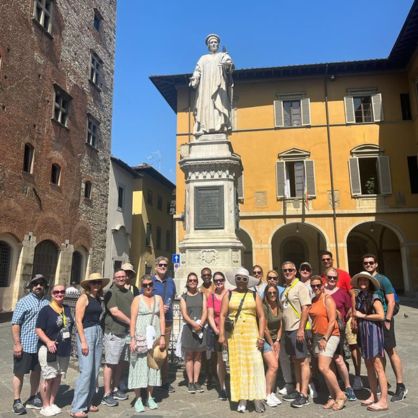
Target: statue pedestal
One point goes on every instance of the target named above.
(211, 215)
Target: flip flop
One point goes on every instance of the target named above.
(339, 404)
(93, 408)
(376, 409)
(330, 403)
(80, 414)
(366, 403)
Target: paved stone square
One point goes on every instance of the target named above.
(182, 404)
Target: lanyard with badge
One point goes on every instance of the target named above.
(63, 320)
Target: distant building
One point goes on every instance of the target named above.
(56, 86)
(140, 224)
(329, 153)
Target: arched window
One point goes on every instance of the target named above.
(28, 159)
(55, 174)
(78, 265)
(5, 263)
(45, 260)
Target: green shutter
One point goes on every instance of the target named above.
(349, 109)
(385, 181)
(280, 179)
(377, 107)
(354, 176)
(278, 114)
(306, 111)
(310, 178)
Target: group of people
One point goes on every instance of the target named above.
(295, 322)
(129, 326)
(302, 324)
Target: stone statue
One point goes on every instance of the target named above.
(212, 79)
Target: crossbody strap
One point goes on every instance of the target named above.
(153, 311)
(240, 307)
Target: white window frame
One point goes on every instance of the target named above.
(295, 155)
(96, 66)
(376, 108)
(93, 130)
(44, 13)
(61, 106)
(305, 110)
(383, 170)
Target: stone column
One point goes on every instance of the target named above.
(65, 261)
(211, 171)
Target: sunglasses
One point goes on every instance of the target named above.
(305, 269)
(368, 263)
(272, 293)
(287, 270)
(257, 272)
(95, 281)
(192, 281)
(58, 292)
(162, 265)
(218, 281)
(316, 286)
(333, 278)
(326, 259)
(148, 285)
(38, 284)
(272, 278)
(241, 279)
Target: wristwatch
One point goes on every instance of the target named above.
(388, 320)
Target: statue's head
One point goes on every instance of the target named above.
(213, 41)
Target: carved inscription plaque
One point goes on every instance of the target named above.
(209, 207)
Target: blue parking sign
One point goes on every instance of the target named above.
(175, 258)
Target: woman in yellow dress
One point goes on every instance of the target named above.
(244, 308)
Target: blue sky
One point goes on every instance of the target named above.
(167, 37)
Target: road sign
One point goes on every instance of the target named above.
(175, 258)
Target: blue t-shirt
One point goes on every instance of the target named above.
(54, 325)
(386, 288)
(167, 290)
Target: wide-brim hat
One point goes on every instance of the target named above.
(365, 275)
(156, 357)
(93, 277)
(305, 263)
(241, 271)
(37, 278)
(128, 267)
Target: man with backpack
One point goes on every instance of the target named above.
(388, 296)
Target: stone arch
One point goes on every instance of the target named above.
(297, 242)
(384, 240)
(247, 252)
(45, 259)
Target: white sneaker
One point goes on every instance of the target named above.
(55, 408)
(47, 411)
(270, 401)
(286, 389)
(274, 396)
(357, 383)
(242, 406)
(312, 391)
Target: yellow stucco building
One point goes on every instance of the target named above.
(329, 153)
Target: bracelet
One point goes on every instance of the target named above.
(260, 339)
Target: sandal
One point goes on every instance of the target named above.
(329, 404)
(376, 408)
(93, 408)
(80, 414)
(259, 406)
(339, 404)
(366, 403)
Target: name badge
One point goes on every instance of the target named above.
(66, 334)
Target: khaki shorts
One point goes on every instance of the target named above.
(330, 348)
(350, 337)
(53, 369)
(116, 349)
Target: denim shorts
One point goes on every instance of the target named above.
(267, 347)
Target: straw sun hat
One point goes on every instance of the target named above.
(93, 277)
(365, 275)
(241, 271)
(156, 357)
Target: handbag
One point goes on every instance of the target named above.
(229, 324)
(143, 343)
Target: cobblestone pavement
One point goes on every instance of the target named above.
(182, 404)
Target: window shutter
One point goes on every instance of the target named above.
(377, 107)
(280, 178)
(385, 181)
(240, 187)
(306, 113)
(310, 178)
(349, 109)
(354, 176)
(299, 178)
(278, 114)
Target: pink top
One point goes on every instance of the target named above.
(215, 303)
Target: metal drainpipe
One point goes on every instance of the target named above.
(331, 171)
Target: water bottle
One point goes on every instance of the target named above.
(225, 355)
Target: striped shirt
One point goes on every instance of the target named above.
(25, 314)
